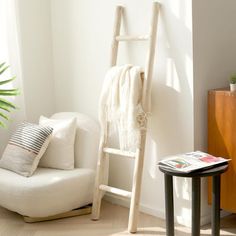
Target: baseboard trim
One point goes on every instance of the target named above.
(205, 219)
(114, 199)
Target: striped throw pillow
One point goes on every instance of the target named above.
(25, 148)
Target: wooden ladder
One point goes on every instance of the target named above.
(138, 155)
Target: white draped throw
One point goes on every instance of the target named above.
(120, 104)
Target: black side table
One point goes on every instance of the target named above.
(196, 195)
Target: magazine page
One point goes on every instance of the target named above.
(191, 161)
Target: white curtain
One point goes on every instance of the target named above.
(10, 53)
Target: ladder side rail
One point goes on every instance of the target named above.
(136, 185)
(138, 168)
(150, 57)
(101, 163)
(97, 197)
(116, 32)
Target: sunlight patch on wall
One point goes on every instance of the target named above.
(188, 14)
(185, 216)
(151, 152)
(175, 8)
(172, 78)
(189, 72)
(182, 188)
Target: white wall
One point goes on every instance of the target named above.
(81, 45)
(214, 38)
(34, 35)
(34, 22)
(214, 57)
(9, 49)
(35, 45)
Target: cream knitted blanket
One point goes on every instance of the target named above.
(120, 104)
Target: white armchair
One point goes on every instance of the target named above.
(52, 191)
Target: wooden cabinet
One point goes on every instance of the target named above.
(222, 141)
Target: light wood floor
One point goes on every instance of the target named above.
(112, 223)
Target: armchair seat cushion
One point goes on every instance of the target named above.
(48, 192)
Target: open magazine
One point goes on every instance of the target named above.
(192, 161)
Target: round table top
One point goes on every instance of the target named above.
(212, 171)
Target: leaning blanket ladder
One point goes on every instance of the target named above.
(138, 156)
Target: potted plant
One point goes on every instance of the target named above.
(5, 105)
(232, 81)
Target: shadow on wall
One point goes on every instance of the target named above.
(171, 123)
(170, 128)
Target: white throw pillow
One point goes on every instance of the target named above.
(25, 148)
(60, 151)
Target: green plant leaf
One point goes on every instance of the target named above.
(2, 64)
(4, 116)
(2, 124)
(7, 81)
(7, 106)
(3, 69)
(7, 103)
(9, 92)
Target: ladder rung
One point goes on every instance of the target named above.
(116, 191)
(132, 38)
(119, 152)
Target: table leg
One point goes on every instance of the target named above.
(215, 205)
(169, 204)
(196, 194)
